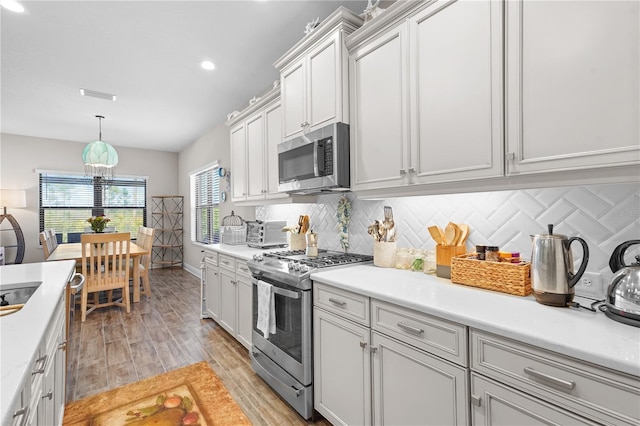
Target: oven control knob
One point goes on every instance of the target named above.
(256, 257)
(304, 268)
(291, 264)
(296, 266)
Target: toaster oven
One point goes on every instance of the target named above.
(267, 233)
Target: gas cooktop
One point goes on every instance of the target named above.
(294, 267)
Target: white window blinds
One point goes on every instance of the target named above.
(205, 206)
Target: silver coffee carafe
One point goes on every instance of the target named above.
(552, 277)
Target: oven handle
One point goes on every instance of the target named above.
(281, 291)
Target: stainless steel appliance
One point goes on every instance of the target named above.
(268, 233)
(623, 293)
(285, 359)
(315, 162)
(552, 277)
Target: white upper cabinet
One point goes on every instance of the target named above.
(313, 76)
(426, 96)
(238, 163)
(572, 85)
(255, 133)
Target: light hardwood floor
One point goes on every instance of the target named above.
(113, 348)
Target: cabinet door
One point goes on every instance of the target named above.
(572, 85)
(60, 376)
(324, 88)
(244, 307)
(273, 132)
(411, 387)
(238, 163)
(498, 405)
(227, 316)
(342, 369)
(379, 115)
(456, 91)
(213, 291)
(293, 99)
(255, 158)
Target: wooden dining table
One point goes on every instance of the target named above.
(73, 251)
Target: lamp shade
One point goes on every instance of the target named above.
(99, 154)
(13, 198)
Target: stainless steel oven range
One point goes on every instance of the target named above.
(284, 359)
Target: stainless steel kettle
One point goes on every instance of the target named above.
(623, 293)
(552, 277)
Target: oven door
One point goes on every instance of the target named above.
(290, 346)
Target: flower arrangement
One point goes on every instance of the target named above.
(343, 214)
(98, 223)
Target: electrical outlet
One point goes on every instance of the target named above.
(590, 284)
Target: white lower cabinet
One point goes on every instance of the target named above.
(229, 295)
(495, 404)
(342, 365)
(412, 387)
(553, 387)
(42, 398)
(363, 375)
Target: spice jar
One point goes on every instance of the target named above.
(430, 262)
(481, 250)
(403, 258)
(492, 254)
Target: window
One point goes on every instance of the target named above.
(67, 201)
(205, 206)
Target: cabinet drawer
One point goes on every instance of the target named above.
(603, 395)
(227, 262)
(342, 302)
(242, 268)
(437, 336)
(211, 258)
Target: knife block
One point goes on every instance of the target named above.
(443, 258)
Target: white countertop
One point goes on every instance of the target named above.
(575, 332)
(22, 331)
(241, 251)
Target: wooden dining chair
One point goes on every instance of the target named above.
(105, 266)
(144, 240)
(44, 244)
(48, 241)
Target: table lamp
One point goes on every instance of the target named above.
(14, 198)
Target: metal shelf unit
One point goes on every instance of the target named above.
(167, 219)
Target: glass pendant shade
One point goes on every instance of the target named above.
(99, 157)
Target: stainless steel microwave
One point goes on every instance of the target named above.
(315, 162)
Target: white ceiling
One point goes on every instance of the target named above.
(147, 53)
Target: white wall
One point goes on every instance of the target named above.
(211, 147)
(20, 156)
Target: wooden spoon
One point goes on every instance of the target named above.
(450, 233)
(436, 234)
(464, 233)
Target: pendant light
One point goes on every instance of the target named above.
(99, 157)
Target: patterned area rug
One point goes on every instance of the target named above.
(192, 395)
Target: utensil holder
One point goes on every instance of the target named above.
(384, 254)
(443, 258)
(297, 241)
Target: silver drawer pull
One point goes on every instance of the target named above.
(48, 395)
(559, 382)
(40, 364)
(24, 412)
(410, 329)
(337, 302)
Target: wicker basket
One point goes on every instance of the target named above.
(511, 278)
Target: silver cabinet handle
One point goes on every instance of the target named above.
(410, 329)
(569, 385)
(337, 302)
(40, 363)
(412, 170)
(403, 172)
(24, 412)
(373, 349)
(48, 395)
(476, 400)
(363, 345)
(63, 345)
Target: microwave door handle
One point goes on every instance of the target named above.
(316, 171)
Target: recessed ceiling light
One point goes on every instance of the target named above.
(12, 5)
(208, 65)
(94, 94)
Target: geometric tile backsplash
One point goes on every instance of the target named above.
(603, 215)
